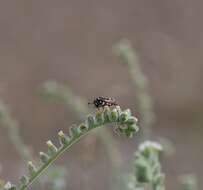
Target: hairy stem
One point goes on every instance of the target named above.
(51, 160)
(57, 92)
(107, 116)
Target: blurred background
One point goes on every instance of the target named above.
(71, 42)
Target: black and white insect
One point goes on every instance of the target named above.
(100, 102)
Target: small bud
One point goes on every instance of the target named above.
(90, 121)
(44, 157)
(107, 113)
(131, 120)
(133, 128)
(31, 168)
(114, 115)
(149, 146)
(118, 108)
(52, 149)
(127, 112)
(99, 118)
(82, 127)
(73, 131)
(64, 139)
(123, 117)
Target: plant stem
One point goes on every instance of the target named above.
(45, 166)
(107, 116)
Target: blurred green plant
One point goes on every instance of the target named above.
(128, 57)
(140, 82)
(127, 127)
(55, 92)
(189, 182)
(147, 168)
(11, 126)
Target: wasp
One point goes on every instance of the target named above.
(100, 102)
